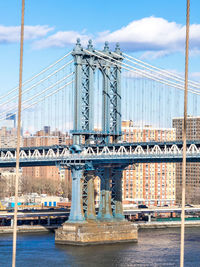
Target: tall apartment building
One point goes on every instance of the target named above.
(11, 117)
(192, 169)
(8, 137)
(46, 138)
(9, 176)
(148, 183)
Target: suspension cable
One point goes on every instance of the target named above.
(54, 92)
(160, 72)
(161, 80)
(38, 94)
(159, 69)
(35, 76)
(37, 83)
(137, 71)
(42, 98)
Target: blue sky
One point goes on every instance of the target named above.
(151, 30)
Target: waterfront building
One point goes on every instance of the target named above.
(192, 169)
(34, 200)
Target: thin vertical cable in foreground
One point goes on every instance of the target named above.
(18, 136)
(184, 136)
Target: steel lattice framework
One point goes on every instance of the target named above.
(128, 153)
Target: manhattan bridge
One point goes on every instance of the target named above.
(87, 93)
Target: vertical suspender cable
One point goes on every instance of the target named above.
(62, 110)
(65, 110)
(126, 99)
(184, 137)
(159, 106)
(98, 97)
(134, 97)
(168, 106)
(151, 104)
(18, 137)
(132, 100)
(146, 103)
(142, 101)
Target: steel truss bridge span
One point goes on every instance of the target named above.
(124, 153)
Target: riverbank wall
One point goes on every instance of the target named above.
(28, 229)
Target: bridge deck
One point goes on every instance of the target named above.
(121, 153)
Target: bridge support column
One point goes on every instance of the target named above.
(117, 196)
(91, 214)
(105, 210)
(76, 212)
(149, 218)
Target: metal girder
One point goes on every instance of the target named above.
(113, 100)
(116, 192)
(85, 193)
(85, 98)
(115, 97)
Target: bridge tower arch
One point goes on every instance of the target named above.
(86, 62)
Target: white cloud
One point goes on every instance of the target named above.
(11, 34)
(62, 39)
(153, 35)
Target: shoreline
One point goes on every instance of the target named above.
(142, 225)
(169, 224)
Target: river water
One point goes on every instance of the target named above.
(155, 248)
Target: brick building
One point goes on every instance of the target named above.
(192, 169)
(148, 183)
(46, 138)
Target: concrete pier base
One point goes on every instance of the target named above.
(91, 233)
